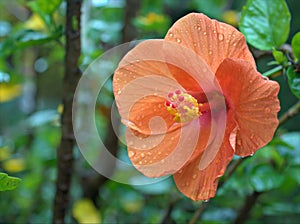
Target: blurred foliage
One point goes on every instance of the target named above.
(31, 71)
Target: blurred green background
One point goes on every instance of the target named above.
(31, 71)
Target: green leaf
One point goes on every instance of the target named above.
(26, 38)
(264, 178)
(266, 24)
(213, 8)
(279, 57)
(7, 182)
(296, 45)
(294, 81)
(45, 9)
(290, 151)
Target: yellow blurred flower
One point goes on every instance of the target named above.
(84, 211)
(9, 92)
(35, 22)
(152, 18)
(14, 165)
(231, 17)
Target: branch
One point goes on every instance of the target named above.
(244, 212)
(71, 78)
(293, 111)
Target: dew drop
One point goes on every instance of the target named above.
(251, 154)
(144, 146)
(204, 33)
(162, 161)
(140, 162)
(171, 34)
(131, 154)
(220, 37)
(267, 110)
(142, 155)
(205, 200)
(119, 92)
(234, 44)
(149, 153)
(178, 40)
(180, 171)
(199, 28)
(210, 52)
(194, 176)
(252, 136)
(159, 153)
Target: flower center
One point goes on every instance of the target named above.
(182, 106)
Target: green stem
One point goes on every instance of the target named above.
(273, 71)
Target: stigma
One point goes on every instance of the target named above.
(182, 106)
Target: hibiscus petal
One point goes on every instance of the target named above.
(152, 69)
(159, 155)
(211, 40)
(201, 184)
(254, 101)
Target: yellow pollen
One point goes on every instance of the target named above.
(182, 106)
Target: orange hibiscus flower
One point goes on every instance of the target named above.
(192, 101)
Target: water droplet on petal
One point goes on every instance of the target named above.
(220, 37)
(199, 28)
(194, 176)
(171, 34)
(119, 92)
(180, 171)
(178, 40)
(267, 110)
(142, 155)
(140, 162)
(131, 154)
(206, 200)
(251, 154)
(204, 33)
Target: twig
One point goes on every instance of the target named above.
(293, 111)
(244, 212)
(71, 78)
(199, 212)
